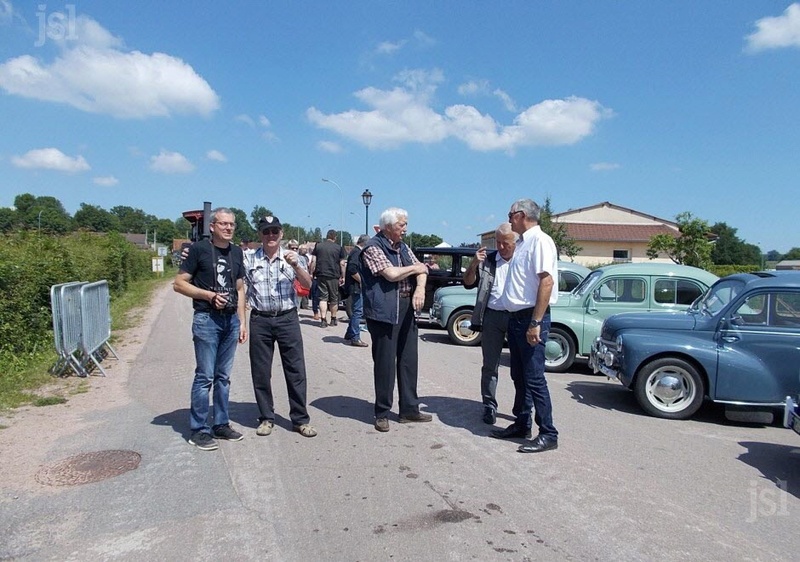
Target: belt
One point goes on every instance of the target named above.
(271, 314)
(527, 312)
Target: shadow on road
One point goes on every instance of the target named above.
(780, 464)
(460, 412)
(346, 407)
(241, 413)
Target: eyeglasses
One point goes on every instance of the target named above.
(512, 213)
(225, 224)
(292, 247)
(271, 231)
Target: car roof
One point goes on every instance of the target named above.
(656, 268)
(772, 278)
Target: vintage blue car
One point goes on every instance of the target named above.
(739, 345)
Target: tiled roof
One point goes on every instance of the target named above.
(616, 232)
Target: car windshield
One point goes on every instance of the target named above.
(720, 294)
(586, 284)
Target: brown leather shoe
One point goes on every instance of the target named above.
(419, 417)
(382, 425)
(358, 343)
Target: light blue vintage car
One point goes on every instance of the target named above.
(739, 345)
(576, 318)
(452, 306)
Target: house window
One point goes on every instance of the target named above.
(622, 256)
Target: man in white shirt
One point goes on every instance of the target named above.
(529, 291)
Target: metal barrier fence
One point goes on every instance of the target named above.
(81, 325)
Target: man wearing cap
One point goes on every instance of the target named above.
(211, 275)
(270, 273)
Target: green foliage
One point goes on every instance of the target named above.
(96, 219)
(42, 213)
(416, 240)
(244, 230)
(565, 245)
(724, 270)
(729, 249)
(690, 248)
(793, 254)
(31, 263)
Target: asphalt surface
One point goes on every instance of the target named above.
(621, 486)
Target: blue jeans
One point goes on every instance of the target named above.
(356, 314)
(215, 338)
(527, 372)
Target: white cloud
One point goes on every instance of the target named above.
(263, 121)
(50, 159)
(404, 115)
(604, 166)
(105, 181)
(246, 119)
(389, 48)
(423, 40)
(6, 12)
(92, 73)
(509, 103)
(474, 87)
(216, 155)
(776, 32)
(329, 146)
(171, 163)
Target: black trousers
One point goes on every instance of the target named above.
(394, 354)
(265, 331)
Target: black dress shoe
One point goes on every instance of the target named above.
(511, 432)
(489, 415)
(539, 444)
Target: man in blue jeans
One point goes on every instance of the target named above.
(527, 295)
(352, 283)
(212, 276)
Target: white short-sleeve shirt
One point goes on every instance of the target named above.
(535, 254)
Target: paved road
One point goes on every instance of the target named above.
(622, 486)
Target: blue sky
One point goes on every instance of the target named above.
(451, 110)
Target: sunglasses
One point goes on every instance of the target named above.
(512, 213)
(271, 231)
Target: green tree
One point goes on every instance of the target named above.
(793, 254)
(8, 218)
(97, 219)
(558, 232)
(691, 247)
(773, 255)
(244, 230)
(165, 231)
(729, 249)
(44, 212)
(258, 213)
(416, 240)
(132, 220)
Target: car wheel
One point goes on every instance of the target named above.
(458, 328)
(559, 351)
(669, 388)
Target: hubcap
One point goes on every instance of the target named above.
(670, 389)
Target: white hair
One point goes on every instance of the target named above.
(391, 216)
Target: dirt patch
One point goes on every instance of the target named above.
(31, 432)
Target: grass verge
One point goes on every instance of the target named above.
(26, 380)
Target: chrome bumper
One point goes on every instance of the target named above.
(603, 360)
(791, 415)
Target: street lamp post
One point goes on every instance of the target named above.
(366, 197)
(341, 193)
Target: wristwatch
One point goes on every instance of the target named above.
(535, 323)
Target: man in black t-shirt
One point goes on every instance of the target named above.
(212, 276)
(329, 271)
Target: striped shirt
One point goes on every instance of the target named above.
(269, 283)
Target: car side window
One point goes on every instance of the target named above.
(567, 280)
(787, 310)
(752, 312)
(676, 291)
(621, 289)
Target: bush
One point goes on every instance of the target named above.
(724, 270)
(31, 263)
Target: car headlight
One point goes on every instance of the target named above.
(619, 343)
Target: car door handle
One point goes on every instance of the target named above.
(730, 339)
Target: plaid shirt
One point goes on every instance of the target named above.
(376, 260)
(269, 283)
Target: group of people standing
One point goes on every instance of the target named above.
(387, 282)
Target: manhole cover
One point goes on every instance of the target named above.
(88, 467)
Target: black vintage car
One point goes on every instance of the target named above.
(446, 266)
